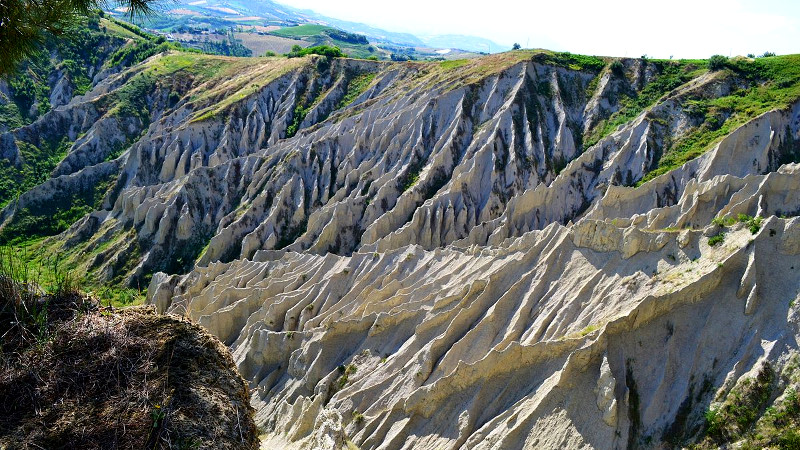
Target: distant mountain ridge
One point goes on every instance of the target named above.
(471, 43)
(279, 12)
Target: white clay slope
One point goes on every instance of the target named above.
(540, 341)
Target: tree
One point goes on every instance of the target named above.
(717, 62)
(617, 67)
(516, 46)
(26, 24)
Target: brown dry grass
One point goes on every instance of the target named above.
(79, 376)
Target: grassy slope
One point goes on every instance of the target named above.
(759, 412)
(301, 31)
(770, 83)
(236, 80)
(671, 75)
(318, 35)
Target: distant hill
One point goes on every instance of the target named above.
(300, 16)
(265, 16)
(462, 42)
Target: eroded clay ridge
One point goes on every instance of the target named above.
(339, 156)
(598, 333)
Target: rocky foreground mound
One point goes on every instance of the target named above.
(75, 376)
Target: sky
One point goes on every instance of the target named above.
(659, 29)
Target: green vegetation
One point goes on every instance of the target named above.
(131, 99)
(322, 37)
(93, 43)
(311, 30)
(752, 223)
(56, 215)
(38, 163)
(617, 67)
(320, 32)
(745, 417)
(73, 54)
(571, 61)
(230, 46)
(299, 113)
(411, 176)
(323, 50)
(29, 266)
(137, 52)
(301, 30)
(453, 63)
(355, 87)
(718, 238)
(28, 309)
(344, 374)
(37, 22)
(671, 74)
(772, 83)
(251, 75)
(717, 62)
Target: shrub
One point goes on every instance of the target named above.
(717, 62)
(617, 67)
(322, 50)
(173, 98)
(516, 46)
(345, 372)
(753, 223)
(716, 239)
(714, 425)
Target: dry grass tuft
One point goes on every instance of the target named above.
(76, 375)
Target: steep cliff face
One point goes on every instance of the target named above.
(517, 251)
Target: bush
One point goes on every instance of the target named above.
(344, 36)
(716, 239)
(322, 50)
(617, 67)
(717, 62)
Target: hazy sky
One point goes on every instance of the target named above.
(683, 28)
